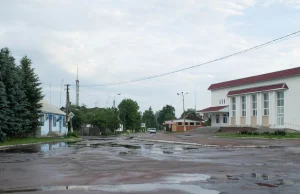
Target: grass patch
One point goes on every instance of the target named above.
(28, 140)
(263, 135)
(72, 135)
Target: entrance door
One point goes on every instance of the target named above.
(60, 125)
(50, 124)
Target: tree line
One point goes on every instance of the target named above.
(20, 95)
(126, 114)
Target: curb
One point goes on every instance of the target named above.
(203, 145)
(26, 144)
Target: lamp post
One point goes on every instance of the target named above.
(114, 104)
(183, 94)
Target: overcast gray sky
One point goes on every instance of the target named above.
(120, 40)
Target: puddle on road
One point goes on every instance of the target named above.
(168, 183)
(261, 179)
(37, 148)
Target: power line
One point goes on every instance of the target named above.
(282, 38)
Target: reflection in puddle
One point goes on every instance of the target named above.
(128, 188)
(182, 178)
(169, 183)
(35, 148)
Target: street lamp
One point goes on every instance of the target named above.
(183, 94)
(114, 105)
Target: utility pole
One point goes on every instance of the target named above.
(68, 107)
(183, 94)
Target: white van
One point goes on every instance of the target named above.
(151, 130)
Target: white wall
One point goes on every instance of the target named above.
(45, 127)
(291, 99)
(220, 124)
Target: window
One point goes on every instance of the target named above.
(179, 123)
(225, 118)
(280, 108)
(243, 106)
(217, 118)
(220, 102)
(266, 104)
(198, 123)
(254, 105)
(186, 123)
(64, 121)
(224, 101)
(54, 120)
(233, 102)
(192, 123)
(42, 120)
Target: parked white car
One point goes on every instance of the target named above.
(151, 130)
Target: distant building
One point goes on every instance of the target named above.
(52, 119)
(267, 100)
(191, 122)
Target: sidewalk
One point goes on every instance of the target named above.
(211, 140)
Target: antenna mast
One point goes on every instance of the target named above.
(77, 89)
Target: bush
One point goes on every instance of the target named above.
(255, 133)
(280, 133)
(266, 133)
(72, 134)
(245, 132)
(208, 122)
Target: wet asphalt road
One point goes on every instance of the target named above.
(123, 165)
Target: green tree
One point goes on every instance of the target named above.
(112, 119)
(189, 111)
(79, 113)
(98, 118)
(167, 113)
(17, 117)
(149, 118)
(33, 91)
(3, 112)
(129, 114)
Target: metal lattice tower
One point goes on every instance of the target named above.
(77, 89)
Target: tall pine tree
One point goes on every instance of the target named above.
(33, 92)
(17, 117)
(3, 111)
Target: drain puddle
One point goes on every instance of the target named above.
(170, 183)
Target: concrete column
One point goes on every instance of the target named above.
(248, 109)
(229, 110)
(272, 109)
(259, 108)
(238, 111)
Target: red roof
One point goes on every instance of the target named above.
(212, 109)
(257, 78)
(258, 89)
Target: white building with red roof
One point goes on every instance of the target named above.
(267, 100)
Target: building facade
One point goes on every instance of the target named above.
(52, 119)
(268, 100)
(191, 122)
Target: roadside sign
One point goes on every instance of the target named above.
(71, 115)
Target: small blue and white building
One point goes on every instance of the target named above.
(52, 119)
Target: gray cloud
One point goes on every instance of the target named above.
(113, 41)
